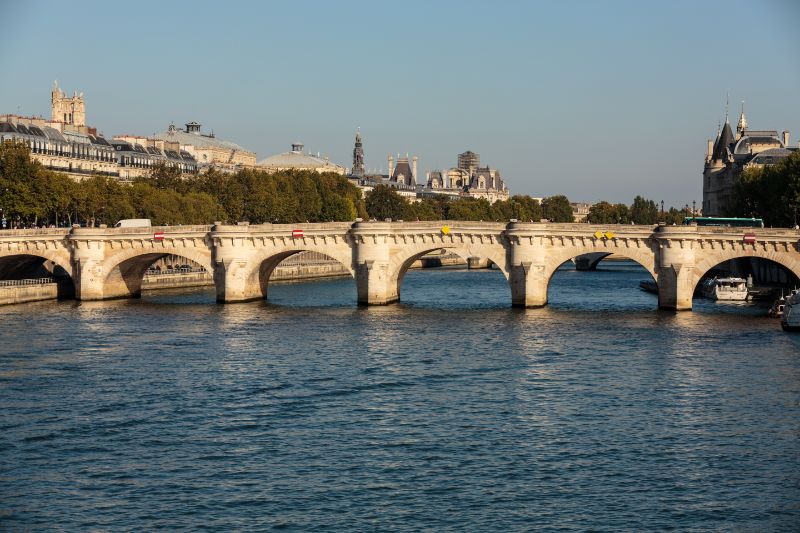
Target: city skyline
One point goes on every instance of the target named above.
(583, 101)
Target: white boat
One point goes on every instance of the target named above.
(790, 321)
(725, 289)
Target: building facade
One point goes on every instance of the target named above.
(468, 179)
(729, 155)
(65, 143)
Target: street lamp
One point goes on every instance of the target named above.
(3, 221)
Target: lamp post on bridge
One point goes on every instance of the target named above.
(3, 221)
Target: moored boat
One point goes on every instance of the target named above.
(725, 289)
(648, 285)
(776, 310)
(790, 321)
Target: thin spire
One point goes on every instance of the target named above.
(727, 102)
(742, 125)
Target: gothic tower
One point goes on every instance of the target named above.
(67, 109)
(358, 157)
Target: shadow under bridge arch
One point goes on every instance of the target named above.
(294, 264)
(39, 267)
(124, 271)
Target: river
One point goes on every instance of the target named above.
(450, 411)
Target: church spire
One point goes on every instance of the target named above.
(741, 127)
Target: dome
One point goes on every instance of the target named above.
(297, 159)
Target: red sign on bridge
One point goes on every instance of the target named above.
(749, 238)
(297, 233)
(158, 236)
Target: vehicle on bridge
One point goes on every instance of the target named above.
(725, 222)
(133, 223)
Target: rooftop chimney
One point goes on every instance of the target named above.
(785, 138)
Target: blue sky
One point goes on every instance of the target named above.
(595, 100)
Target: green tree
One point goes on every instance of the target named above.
(643, 211)
(557, 209)
(602, 213)
(384, 202)
(675, 216)
(771, 192)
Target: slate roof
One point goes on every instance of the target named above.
(722, 145)
(198, 141)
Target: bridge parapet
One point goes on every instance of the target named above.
(36, 232)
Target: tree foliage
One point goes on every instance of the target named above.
(557, 209)
(643, 211)
(770, 192)
(33, 195)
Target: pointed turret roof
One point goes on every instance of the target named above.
(722, 146)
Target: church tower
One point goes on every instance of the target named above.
(358, 157)
(67, 109)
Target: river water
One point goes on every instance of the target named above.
(448, 412)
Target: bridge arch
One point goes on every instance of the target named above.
(402, 260)
(791, 262)
(123, 271)
(263, 263)
(27, 257)
(643, 256)
(34, 264)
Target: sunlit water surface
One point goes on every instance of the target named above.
(449, 411)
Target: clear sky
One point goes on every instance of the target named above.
(595, 100)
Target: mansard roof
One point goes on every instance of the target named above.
(761, 133)
(53, 134)
(402, 168)
(771, 156)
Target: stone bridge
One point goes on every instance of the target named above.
(108, 263)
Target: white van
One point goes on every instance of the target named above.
(133, 223)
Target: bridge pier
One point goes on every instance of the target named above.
(234, 281)
(375, 284)
(87, 270)
(478, 263)
(528, 285)
(675, 266)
